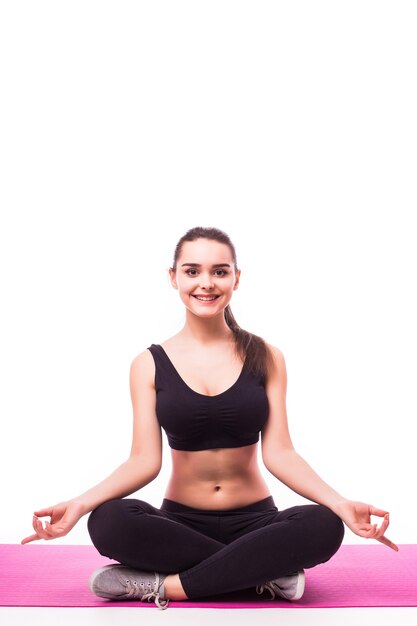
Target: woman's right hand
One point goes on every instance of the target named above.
(63, 516)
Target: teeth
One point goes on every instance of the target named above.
(204, 299)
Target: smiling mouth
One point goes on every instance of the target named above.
(206, 298)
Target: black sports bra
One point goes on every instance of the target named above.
(194, 421)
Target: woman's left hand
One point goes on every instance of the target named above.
(357, 516)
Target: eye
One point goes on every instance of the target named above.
(192, 269)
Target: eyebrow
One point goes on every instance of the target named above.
(199, 265)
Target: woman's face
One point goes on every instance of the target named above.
(205, 268)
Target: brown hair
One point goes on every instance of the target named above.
(249, 346)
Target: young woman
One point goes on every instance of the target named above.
(214, 388)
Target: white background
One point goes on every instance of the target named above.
(291, 126)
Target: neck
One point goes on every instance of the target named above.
(206, 330)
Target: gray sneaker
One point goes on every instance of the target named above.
(121, 582)
(290, 587)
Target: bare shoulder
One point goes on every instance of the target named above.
(275, 434)
(174, 344)
(146, 439)
(277, 364)
(142, 368)
(276, 352)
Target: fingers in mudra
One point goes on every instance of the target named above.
(40, 530)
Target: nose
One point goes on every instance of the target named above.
(206, 281)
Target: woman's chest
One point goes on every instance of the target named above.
(210, 374)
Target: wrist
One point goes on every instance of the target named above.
(80, 506)
(338, 504)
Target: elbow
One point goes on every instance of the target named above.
(156, 469)
(274, 459)
(145, 465)
(153, 470)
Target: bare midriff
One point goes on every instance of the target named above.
(220, 478)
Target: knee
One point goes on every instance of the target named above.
(332, 527)
(109, 520)
(101, 519)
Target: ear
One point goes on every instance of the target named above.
(236, 285)
(172, 278)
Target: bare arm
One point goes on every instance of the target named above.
(289, 467)
(278, 452)
(130, 476)
(142, 466)
(144, 462)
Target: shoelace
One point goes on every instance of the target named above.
(135, 590)
(260, 589)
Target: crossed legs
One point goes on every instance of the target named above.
(205, 553)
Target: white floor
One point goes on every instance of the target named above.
(151, 616)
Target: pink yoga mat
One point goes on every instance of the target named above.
(356, 576)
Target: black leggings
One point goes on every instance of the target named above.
(215, 552)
